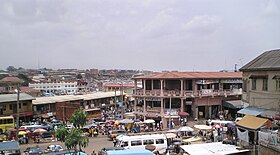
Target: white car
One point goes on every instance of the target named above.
(54, 148)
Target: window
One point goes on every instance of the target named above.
(254, 82)
(159, 141)
(11, 107)
(124, 144)
(149, 141)
(136, 143)
(19, 105)
(264, 84)
(278, 84)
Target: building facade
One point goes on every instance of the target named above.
(63, 87)
(164, 95)
(261, 81)
(8, 106)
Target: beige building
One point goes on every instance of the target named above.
(167, 96)
(261, 81)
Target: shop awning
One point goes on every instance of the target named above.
(235, 104)
(251, 122)
(251, 111)
(258, 77)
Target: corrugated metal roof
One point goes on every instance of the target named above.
(193, 75)
(269, 60)
(65, 98)
(251, 122)
(13, 97)
(251, 111)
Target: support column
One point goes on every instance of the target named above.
(161, 106)
(210, 111)
(182, 104)
(161, 87)
(135, 86)
(182, 87)
(144, 109)
(196, 112)
(194, 86)
(144, 87)
(135, 103)
(152, 84)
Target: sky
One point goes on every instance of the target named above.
(156, 35)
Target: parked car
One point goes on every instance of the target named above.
(54, 148)
(33, 151)
(114, 133)
(105, 149)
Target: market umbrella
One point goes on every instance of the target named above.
(22, 133)
(185, 129)
(149, 121)
(170, 135)
(203, 127)
(183, 114)
(126, 121)
(217, 126)
(172, 131)
(40, 130)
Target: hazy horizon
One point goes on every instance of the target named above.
(154, 35)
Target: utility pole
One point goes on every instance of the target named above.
(17, 119)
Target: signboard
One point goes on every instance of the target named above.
(152, 99)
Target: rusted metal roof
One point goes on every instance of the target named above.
(11, 79)
(269, 60)
(193, 75)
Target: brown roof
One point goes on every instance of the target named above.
(269, 60)
(192, 75)
(26, 89)
(11, 79)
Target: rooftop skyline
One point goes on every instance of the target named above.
(182, 35)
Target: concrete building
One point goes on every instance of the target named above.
(261, 81)
(198, 93)
(62, 87)
(8, 106)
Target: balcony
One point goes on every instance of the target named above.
(188, 93)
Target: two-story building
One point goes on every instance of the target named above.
(200, 94)
(8, 106)
(261, 82)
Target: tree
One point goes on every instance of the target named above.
(79, 118)
(11, 69)
(74, 137)
(79, 76)
(25, 78)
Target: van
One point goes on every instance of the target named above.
(139, 142)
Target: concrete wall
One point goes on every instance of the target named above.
(267, 150)
(269, 99)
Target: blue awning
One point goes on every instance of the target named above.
(251, 111)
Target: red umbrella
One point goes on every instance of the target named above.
(40, 130)
(217, 126)
(183, 114)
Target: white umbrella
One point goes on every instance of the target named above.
(172, 131)
(149, 121)
(170, 135)
(185, 129)
(126, 121)
(203, 127)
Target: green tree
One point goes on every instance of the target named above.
(11, 68)
(25, 78)
(79, 118)
(74, 137)
(79, 76)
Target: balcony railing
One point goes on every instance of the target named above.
(188, 93)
